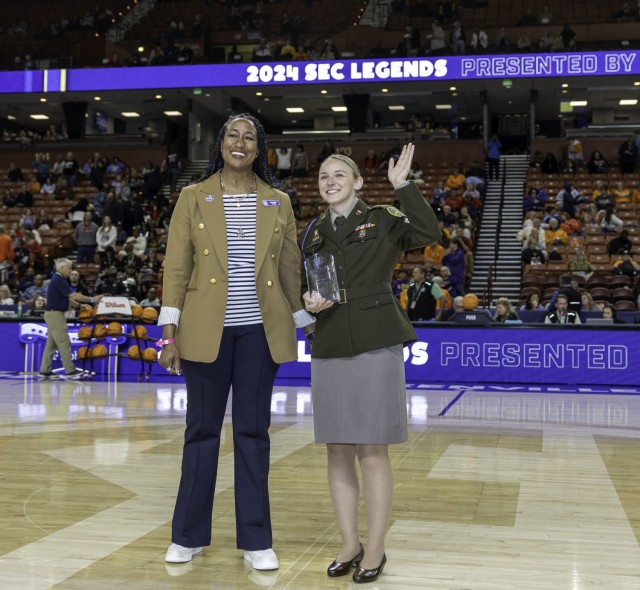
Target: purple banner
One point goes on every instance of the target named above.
(580, 355)
(468, 67)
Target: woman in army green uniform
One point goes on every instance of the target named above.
(357, 367)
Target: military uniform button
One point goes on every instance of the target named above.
(269, 283)
(201, 226)
(213, 281)
(277, 230)
(206, 252)
(273, 257)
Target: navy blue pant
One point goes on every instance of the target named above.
(244, 362)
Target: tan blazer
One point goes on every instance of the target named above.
(196, 270)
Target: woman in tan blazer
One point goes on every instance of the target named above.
(231, 302)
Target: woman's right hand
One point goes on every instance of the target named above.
(313, 303)
(170, 359)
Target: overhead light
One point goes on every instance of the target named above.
(578, 103)
(11, 118)
(141, 49)
(565, 91)
(43, 99)
(452, 88)
(328, 132)
(385, 90)
(628, 102)
(323, 91)
(443, 107)
(96, 98)
(339, 109)
(258, 93)
(130, 114)
(636, 83)
(565, 85)
(295, 110)
(172, 113)
(39, 117)
(396, 107)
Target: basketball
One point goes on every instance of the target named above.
(150, 355)
(149, 315)
(99, 331)
(83, 352)
(140, 332)
(136, 311)
(470, 302)
(134, 352)
(85, 314)
(99, 351)
(114, 329)
(84, 333)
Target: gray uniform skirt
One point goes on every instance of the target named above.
(360, 399)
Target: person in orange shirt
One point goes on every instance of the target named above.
(457, 178)
(621, 193)
(555, 235)
(433, 252)
(6, 253)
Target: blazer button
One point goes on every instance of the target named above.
(201, 226)
(273, 257)
(269, 283)
(213, 281)
(206, 252)
(277, 230)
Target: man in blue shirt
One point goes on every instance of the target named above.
(493, 156)
(58, 295)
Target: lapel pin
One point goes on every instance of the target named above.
(270, 203)
(209, 198)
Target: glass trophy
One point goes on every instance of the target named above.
(322, 277)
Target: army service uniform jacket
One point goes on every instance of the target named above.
(369, 316)
(196, 270)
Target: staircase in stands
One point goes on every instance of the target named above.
(497, 246)
(193, 168)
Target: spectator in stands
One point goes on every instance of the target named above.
(326, 151)
(545, 16)
(568, 197)
(105, 237)
(447, 217)
(38, 288)
(5, 295)
(626, 13)
(457, 178)
(300, 162)
(627, 155)
(504, 311)
(603, 199)
(422, 296)
(151, 300)
(479, 41)
(569, 38)
(532, 303)
(609, 221)
(24, 198)
(84, 236)
(27, 279)
(48, 187)
(329, 50)
(550, 164)
(581, 265)
(40, 166)
(534, 200)
(454, 261)
(77, 283)
(609, 312)
(562, 314)
(597, 164)
(416, 173)
(502, 41)
(234, 55)
(532, 254)
(493, 150)
(457, 39)
(588, 304)
(284, 156)
(70, 169)
(624, 264)
(43, 221)
(170, 167)
(574, 152)
(139, 241)
(400, 283)
(555, 234)
(262, 51)
(434, 253)
(536, 161)
(621, 193)
(569, 288)
(37, 307)
(114, 208)
(620, 244)
(108, 283)
(14, 173)
(437, 39)
(127, 257)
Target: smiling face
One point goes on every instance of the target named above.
(338, 183)
(240, 145)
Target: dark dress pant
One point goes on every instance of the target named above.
(245, 364)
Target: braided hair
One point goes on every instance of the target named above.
(260, 164)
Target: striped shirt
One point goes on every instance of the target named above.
(242, 301)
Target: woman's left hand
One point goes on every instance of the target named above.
(313, 303)
(399, 170)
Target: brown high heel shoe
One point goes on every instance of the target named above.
(343, 568)
(362, 575)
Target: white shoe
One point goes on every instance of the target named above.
(179, 554)
(265, 559)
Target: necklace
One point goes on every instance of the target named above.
(240, 217)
